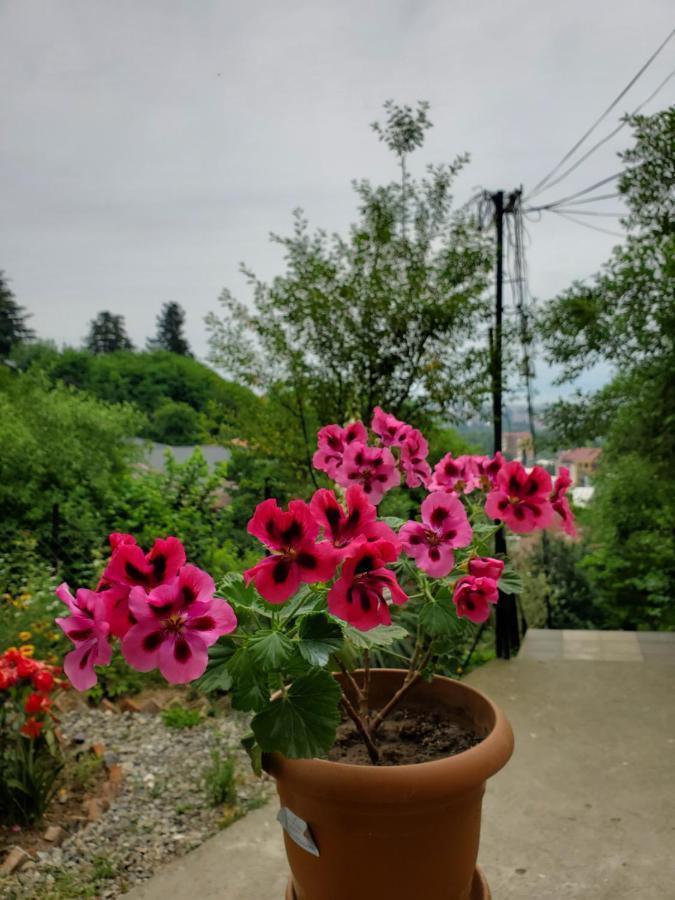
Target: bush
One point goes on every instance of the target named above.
(220, 780)
(180, 717)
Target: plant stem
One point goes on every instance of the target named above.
(352, 681)
(412, 676)
(362, 728)
(365, 700)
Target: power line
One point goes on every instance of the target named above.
(588, 224)
(590, 212)
(540, 185)
(587, 190)
(604, 140)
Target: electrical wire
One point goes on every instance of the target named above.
(590, 212)
(604, 140)
(587, 190)
(545, 180)
(588, 224)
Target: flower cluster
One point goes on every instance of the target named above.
(31, 683)
(162, 610)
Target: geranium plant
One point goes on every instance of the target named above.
(30, 759)
(337, 587)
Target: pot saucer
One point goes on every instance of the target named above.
(479, 888)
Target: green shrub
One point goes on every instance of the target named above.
(180, 717)
(220, 780)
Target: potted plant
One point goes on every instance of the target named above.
(380, 770)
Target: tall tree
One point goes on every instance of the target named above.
(107, 334)
(170, 324)
(386, 314)
(13, 318)
(626, 317)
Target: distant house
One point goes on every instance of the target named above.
(518, 445)
(582, 463)
(154, 456)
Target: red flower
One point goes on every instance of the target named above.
(296, 556)
(130, 567)
(390, 430)
(31, 728)
(358, 594)
(414, 452)
(332, 443)
(520, 499)
(459, 475)
(43, 680)
(473, 597)
(360, 520)
(486, 567)
(560, 503)
(373, 468)
(487, 468)
(36, 703)
(444, 526)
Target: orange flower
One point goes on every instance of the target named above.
(31, 728)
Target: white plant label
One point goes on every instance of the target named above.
(297, 829)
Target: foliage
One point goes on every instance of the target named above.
(181, 717)
(626, 316)
(107, 334)
(384, 315)
(170, 324)
(220, 780)
(30, 759)
(13, 327)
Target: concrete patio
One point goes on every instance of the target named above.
(585, 810)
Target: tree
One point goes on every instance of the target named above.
(389, 314)
(107, 334)
(626, 316)
(170, 324)
(13, 328)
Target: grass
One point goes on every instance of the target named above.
(220, 780)
(180, 717)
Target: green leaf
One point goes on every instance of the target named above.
(270, 649)
(393, 522)
(217, 676)
(439, 619)
(250, 690)
(251, 746)
(380, 636)
(234, 590)
(303, 721)
(510, 582)
(308, 599)
(319, 637)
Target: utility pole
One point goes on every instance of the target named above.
(508, 632)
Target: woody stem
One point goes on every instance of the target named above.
(362, 728)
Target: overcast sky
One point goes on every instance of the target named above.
(149, 146)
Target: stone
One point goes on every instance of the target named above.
(151, 706)
(55, 835)
(108, 706)
(15, 860)
(129, 705)
(93, 809)
(98, 750)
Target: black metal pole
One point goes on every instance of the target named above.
(507, 631)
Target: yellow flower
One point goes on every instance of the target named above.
(53, 659)
(25, 596)
(25, 636)
(55, 635)
(27, 649)
(459, 670)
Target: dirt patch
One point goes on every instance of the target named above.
(405, 737)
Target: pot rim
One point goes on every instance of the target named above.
(463, 771)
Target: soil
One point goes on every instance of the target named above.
(405, 737)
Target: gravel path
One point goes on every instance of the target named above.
(161, 811)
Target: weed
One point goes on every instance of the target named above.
(219, 780)
(179, 717)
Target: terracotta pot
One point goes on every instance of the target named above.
(406, 832)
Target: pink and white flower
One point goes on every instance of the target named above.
(374, 468)
(521, 499)
(444, 527)
(176, 623)
(88, 629)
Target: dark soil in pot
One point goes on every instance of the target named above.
(406, 736)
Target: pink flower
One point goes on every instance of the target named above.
(444, 526)
(130, 567)
(333, 441)
(459, 475)
(390, 430)
(360, 520)
(88, 629)
(486, 567)
(373, 468)
(520, 499)
(296, 557)
(358, 594)
(414, 452)
(560, 503)
(473, 597)
(487, 469)
(176, 623)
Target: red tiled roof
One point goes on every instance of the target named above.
(581, 455)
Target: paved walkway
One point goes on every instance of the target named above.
(585, 810)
